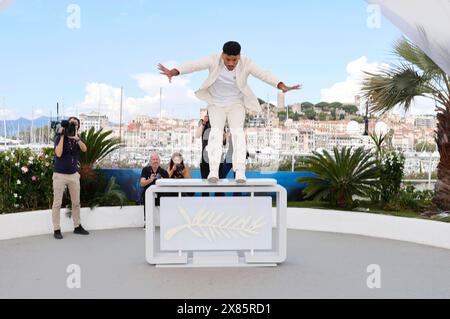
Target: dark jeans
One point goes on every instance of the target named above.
(224, 169)
(204, 172)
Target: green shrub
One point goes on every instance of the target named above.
(26, 180)
(410, 198)
(391, 175)
(99, 191)
(26, 183)
(339, 177)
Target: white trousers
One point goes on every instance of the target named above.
(235, 115)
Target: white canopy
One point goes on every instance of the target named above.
(425, 22)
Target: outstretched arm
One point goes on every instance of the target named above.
(270, 78)
(186, 68)
(283, 87)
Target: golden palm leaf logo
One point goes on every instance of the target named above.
(212, 225)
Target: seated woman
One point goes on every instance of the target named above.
(177, 169)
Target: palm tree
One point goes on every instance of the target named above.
(398, 84)
(341, 177)
(99, 145)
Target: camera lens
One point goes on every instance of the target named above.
(71, 130)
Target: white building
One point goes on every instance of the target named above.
(93, 119)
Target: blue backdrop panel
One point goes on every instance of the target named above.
(129, 180)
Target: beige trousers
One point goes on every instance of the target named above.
(218, 115)
(60, 181)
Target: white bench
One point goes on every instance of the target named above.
(186, 231)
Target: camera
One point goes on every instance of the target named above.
(179, 167)
(69, 129)
(178, 163)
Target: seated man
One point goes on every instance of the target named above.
(150, 174)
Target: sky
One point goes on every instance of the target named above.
(80, 53)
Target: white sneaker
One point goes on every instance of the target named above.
(213, 177)
(240, 177)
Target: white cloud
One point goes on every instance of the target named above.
(421, 105)
(346, 91)
(178, 98)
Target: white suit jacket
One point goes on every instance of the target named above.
(244, 68)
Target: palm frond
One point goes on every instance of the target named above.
(395, 85)
(416, 75)
(99, 145)
(410, 52)
(339, 177)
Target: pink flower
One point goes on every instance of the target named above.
(24, 169)
(34, 178)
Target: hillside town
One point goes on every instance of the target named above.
(274, 136)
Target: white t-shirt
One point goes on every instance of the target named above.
(225, 91)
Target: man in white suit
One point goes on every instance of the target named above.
(228, 96)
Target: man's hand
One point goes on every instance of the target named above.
(285, 88)
(77, 139)
(167, 72)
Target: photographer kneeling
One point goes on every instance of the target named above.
(177, 169)
(65, 173)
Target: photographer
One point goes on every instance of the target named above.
(177, 169)
(149, 176)
(203, 130)
(65, 173)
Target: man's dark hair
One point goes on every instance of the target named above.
(75, 118)
(232, 48)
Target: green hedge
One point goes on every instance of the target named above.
(25, 180)
(26, 183)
